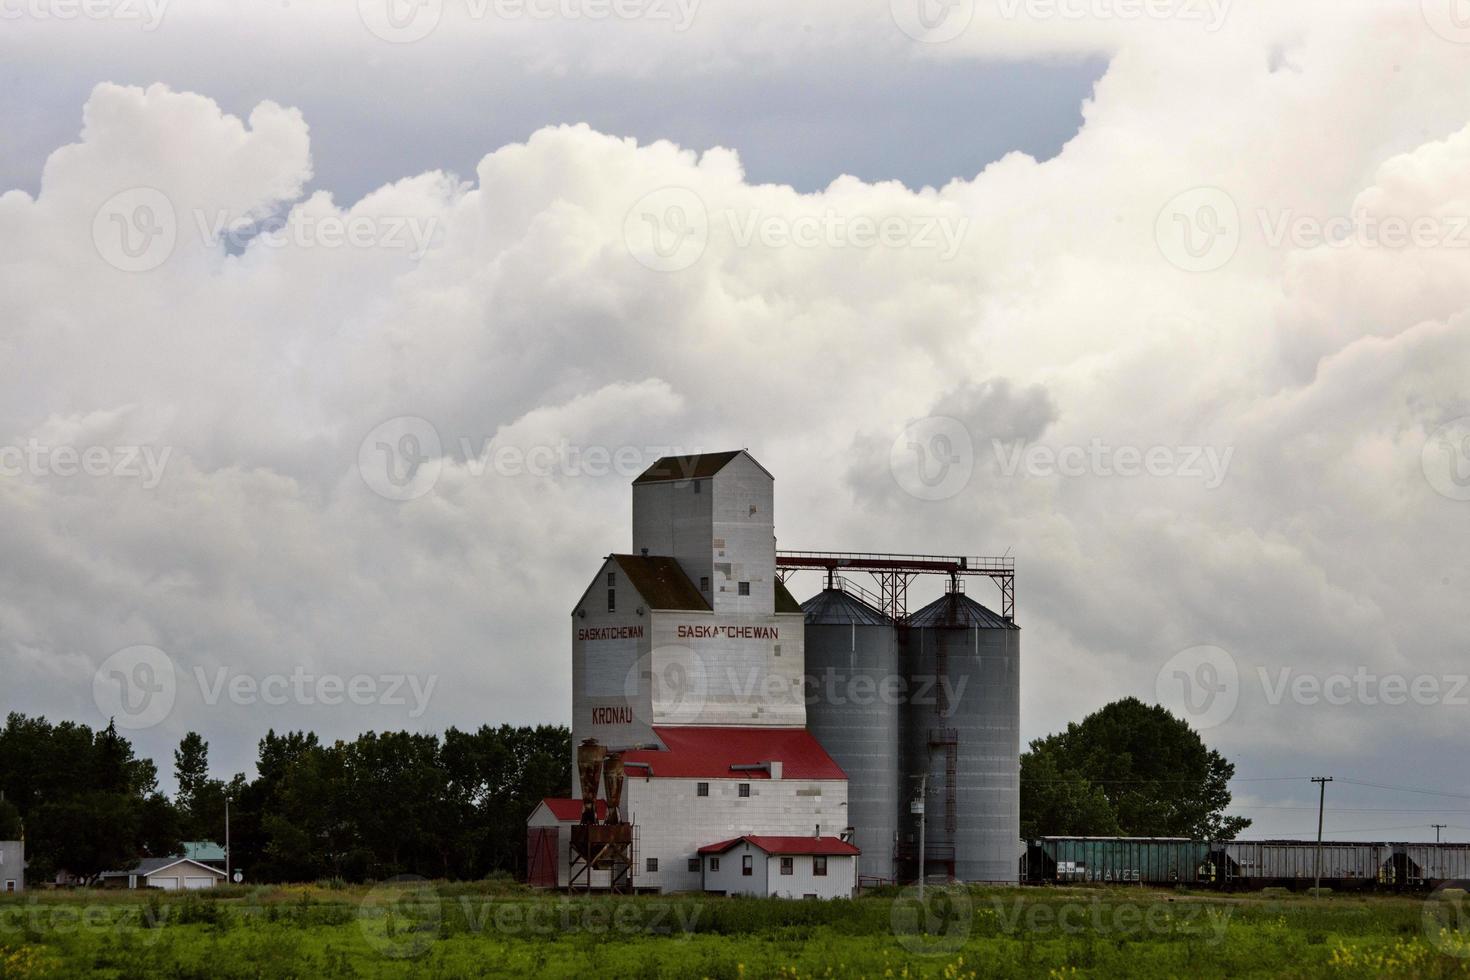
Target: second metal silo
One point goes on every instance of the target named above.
(853, 711)
(961, 726)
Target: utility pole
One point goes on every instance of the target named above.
(1437, 828)
(227, 838)
(1321, 781)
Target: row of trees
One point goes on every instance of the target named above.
(383, 804)
(455, 806)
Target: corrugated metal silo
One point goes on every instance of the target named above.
(962, 724)
(852, 671)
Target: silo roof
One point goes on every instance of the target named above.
(958, 609)
(834, 607)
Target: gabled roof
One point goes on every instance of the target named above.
(786, 845)
(697, 466)
(785, 601)
(566, 809)
(661, 582)
(708, 752)
(149, 866)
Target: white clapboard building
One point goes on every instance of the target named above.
(687, 656)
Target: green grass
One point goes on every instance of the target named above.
(438, 929)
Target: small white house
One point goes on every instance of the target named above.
(549, 841)
(786, 867)
(12, 866)
(168, 873)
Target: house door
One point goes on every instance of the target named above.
(541, 857)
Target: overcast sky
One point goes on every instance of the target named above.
(1171, 302)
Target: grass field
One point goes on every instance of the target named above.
(437, 929)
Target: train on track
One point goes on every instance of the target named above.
(1242, 865)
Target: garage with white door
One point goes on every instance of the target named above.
(169, 874)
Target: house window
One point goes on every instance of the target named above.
(809, 895)
(745, 588)
(819, 865)
(694, 864)
(697, 488)
(701, 789)
(704, 583)
(788, 866)
(612, 579)
(744, 789)
(612, 600)
(747, 864)
(10, 884)
(652, 864)
(714, 864)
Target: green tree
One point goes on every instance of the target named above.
(1157, 775)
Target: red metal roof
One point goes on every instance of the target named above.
(565, 809)
(709, 752)
(786, 845)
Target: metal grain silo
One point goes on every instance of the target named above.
(962, 725)
(852, 710)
